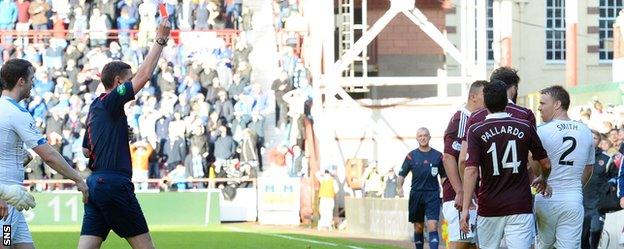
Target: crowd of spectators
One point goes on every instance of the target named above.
(200, 116)
(103, 15)
(293, 90)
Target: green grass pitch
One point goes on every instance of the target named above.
(217, 237)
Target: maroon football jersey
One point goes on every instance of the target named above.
(452, 145)
(514, 110)
(499, 146)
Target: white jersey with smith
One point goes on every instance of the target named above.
(17, 128)
(570, 147)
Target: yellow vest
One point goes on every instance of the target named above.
(327, 188)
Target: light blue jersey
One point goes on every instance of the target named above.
(17, 128)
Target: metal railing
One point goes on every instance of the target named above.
(228, 35)
(155, 183)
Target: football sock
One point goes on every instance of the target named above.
(418, 240)
(434, 240)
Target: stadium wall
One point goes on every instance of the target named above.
(166, 208)
(384, 218)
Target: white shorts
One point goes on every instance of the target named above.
(518, 230)
(19, 228)
(451, 215)
(559, 223)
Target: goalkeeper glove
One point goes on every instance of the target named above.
(17, 196)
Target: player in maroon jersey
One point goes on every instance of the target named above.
(510, 77)
(498, 148)
(452, 183)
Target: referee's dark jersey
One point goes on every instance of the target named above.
(425, 168)
(107, 132)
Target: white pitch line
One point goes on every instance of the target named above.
(292, 238)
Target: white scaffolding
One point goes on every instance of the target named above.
(333, 81)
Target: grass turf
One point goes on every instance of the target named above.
(216, 237)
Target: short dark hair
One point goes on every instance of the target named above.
(112, 70)
(477, 85)
(495, 96)
(558, 93)
(507, 75)
(12, 71)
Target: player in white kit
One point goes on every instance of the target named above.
(571, 152)
(17, 128)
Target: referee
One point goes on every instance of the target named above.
(425, 164)
(112, 203)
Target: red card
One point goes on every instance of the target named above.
(163, 10)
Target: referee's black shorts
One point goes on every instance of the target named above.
(112, 205)
(424, 203)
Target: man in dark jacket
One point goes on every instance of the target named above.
(596, 190)
(175, 150)
(224, 148)
(281, 86)
(224, 107)
(196, 165)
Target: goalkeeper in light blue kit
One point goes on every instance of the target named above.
(17, 128)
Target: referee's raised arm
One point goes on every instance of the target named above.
(146, 69)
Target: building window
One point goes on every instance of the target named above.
(490, 30)
(609, 10)
(555, 30)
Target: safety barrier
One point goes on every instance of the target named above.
(228, 35)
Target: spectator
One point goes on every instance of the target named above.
(37, 11)
(390, 184)
(213, 9)
(241, 52)
(257, 126)
(201, 15)
(98, 27)
(43, 83)
(132, 7)
(8, 16)
(607, 146)
(140, 153)
(175, 151)
(178, 177)
(199, 139)
(61, 8)
(224, 147)
(297, 161)
(244, 70)
(246, 22)
(237, 87)
(107, 9)
(213, 90)
(373, 181)
(281, 86)
(327, 192)
(125, 22)
(594, 191)
(196, 163)
(224, 107)
(23, 20)
(247, 150)
(147, 13)
(233, 12)
(260, 99)
(59, 33)
(185, 15)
